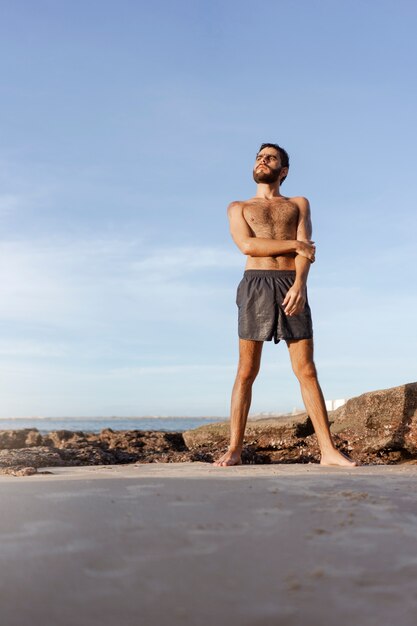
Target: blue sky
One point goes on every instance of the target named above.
(126, 130)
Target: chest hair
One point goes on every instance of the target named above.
(272, 219)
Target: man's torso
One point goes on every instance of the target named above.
(272, 219)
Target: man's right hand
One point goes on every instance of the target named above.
(306, 248)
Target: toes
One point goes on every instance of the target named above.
(227, 460)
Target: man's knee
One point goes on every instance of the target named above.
(247, 373)
(305, 370)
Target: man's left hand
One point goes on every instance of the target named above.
(295, 300)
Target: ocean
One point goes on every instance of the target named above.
(96, 424)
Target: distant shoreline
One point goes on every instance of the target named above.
(116, 417)
(152, 417)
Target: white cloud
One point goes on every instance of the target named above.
(80, 282)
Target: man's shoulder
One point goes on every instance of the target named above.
(238, 204)
(235, 206)
(301, 201)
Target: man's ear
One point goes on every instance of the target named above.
(283, 173)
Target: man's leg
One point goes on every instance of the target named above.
(248, 368)
(301, 354)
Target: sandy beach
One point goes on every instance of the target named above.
(190, 543)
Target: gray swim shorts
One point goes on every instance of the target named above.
(259, 298)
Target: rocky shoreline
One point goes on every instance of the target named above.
(379, 427)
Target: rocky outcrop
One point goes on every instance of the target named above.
(376, 427)
(22, 438)
(286, 439)
(381, 423)
(27, 448)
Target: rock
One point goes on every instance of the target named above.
(380, 423)
(65, 439)
(19, 471)
(86, 455)
(376, 427)
(38, 456)
(267, 433)
(71, 448)
(21, 438)
(268, 440)
(135, 441)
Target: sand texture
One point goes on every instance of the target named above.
(193, 544)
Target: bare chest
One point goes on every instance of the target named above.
(275, 220)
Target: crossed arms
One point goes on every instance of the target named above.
(261, 247)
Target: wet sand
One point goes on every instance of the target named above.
(194, 544)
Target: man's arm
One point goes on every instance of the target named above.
(261, 246)
(295, 298)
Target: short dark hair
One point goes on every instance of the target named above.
(285, 159)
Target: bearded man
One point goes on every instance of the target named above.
(274, 233)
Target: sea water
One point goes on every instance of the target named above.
(96, 424)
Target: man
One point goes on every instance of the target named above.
(274, 232)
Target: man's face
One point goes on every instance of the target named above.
(267, 166)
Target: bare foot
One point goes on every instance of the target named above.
(334, 457)
(231, 457)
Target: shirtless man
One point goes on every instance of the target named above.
(274, 232)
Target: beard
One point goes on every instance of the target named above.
(266, 175)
